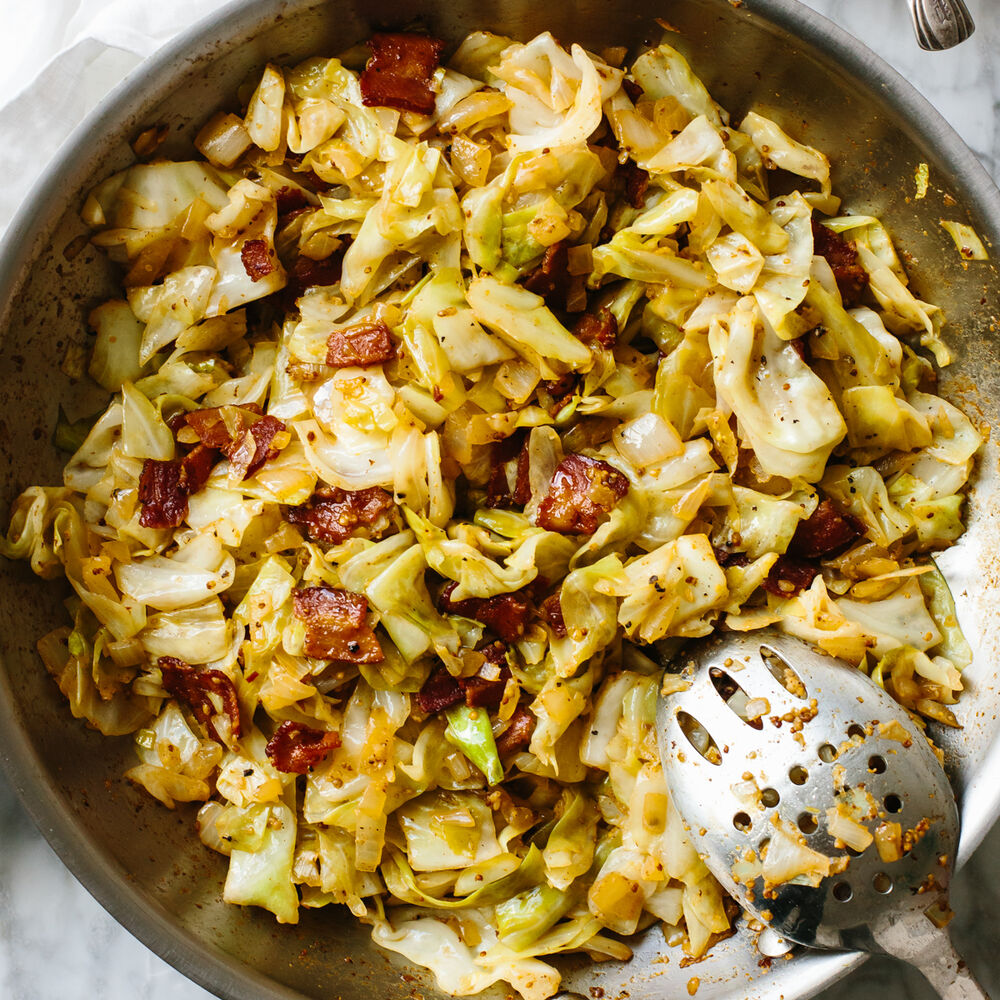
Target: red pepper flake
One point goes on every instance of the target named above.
(400, 71)
(210, 693)
(551, 612)
(336, 625)
(505, 614)
(517, 735)
(258, 259)
(582, 492)
(789, 577)
(600, 328)
(362, 345)
(825, 532)
(852, 278)
(296, 748)
(332, 514)
(551, 279)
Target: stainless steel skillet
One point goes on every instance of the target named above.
(141, 861)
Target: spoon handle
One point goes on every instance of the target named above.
(914, 939)
(940, 24)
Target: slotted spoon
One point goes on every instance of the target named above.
(765, 743)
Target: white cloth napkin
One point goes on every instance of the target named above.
(58, 58)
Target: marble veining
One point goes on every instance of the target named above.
(56, 941)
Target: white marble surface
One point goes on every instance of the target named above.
(57, 942)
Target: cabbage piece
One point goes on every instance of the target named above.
(736, 261)
(264, 877)
(471, 731)
(446, 830)
(557, 706)
(863, 493)
(629, 255)
(784, 278)
(195, 634)
(966, 240)
(786, 413)
(664, 72)
(524, 918)
(902, 619)
(173, 582)
(171, 307)
(780, 150)
(879, 421)
(765, 523)
(263, 119)
(670, 591)
(569, 851)
(115, 358)
(698, 143)
(814, 616)
(441, 306)
(745, 216)
(521, 319)
(589, 615)
(941, 606)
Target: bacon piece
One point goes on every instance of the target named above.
(163, 498)
(789, 577)
(362, 345)
(440, 691)
(600, 328)
(290, 199)
(636, 183)
(551, 279)
(336, 625)
(210, 693)
(632, 89)
(258, 259)
(483, 693)
(296, 748)
(852, 278)
(824, 532)
(196, 467)
(400, 72)
(241, 433)
(581, 492)
(505, 614)
(517, 735)
(498, 490)
(333, 514)
(550, 611)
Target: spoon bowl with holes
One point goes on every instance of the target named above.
(815, 799)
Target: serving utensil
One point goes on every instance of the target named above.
(814, 799)
(941, 24)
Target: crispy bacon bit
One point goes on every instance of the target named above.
(290, 199)
(196, 467)
(210, 693)
(551, 279)
(789, 577)
(505, 614)
(257, 259)
(309, 273)
(482, 692)
(551, 612)
(636, 183)
(498, 489)
(440, 691)
(163, 498)
(296, 748)
(632, 89)
(517, 735)
(336, 625)
(852, 278)
(241, 433)
(727, 557)
(362, 345)
(333, 514)
(601, 328)
(824, 532)
(400, 72)
(581, 492)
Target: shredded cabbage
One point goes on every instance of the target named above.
(532, 387)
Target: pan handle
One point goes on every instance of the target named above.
(940, 24)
